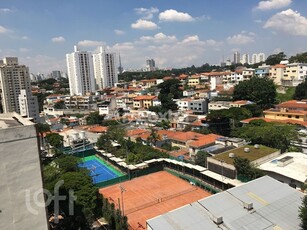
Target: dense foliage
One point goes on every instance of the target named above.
(299, 58)
(303, 213)
(133, 152)
(169, 90)
(274, 135)
(94, 118)
(301, 91)
(201, 158)
(55, 139)
(87, 203)
(275, 58)
(246, 170)
(224, 120)
(261, 91)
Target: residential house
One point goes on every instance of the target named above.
(144, 101)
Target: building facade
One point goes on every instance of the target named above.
(15, 86)
(105, 71)
(80, 72)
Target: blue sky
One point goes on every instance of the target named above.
(176, 33)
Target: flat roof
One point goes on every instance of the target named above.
(297, 169)
(8, 120)
(252, 155)
(272, 205)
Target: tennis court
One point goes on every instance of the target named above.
(152, 195)
(99, 170)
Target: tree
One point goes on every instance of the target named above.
(274, 135)
(59, 105)
(169, 90)
(275, 58)
(301, 91)
(42, 128)
(299, 58)
(245, 169)
(303, 213)
(54, 139)
(201, 158)
(261, 91)
(67, 163)
(94, 118)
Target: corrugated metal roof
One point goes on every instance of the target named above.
(274, 205)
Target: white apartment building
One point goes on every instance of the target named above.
(105, 70)
(256, 58)
(245, 59)
(28, 105)
(294, 74)
(276, 73)
(15, 86)
(80, 72)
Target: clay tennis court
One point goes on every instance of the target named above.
(152, 195)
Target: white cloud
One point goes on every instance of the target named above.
(273, 4)
(144, 24)
(159, 38)
(90, 43)
(147, 13)
(288, 21)
(119, 32)
(5, 10)
(58, 39)
(190, 39)
(173, 16)
(241, 38)
(24, 37)
(3, 30)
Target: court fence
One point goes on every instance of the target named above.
(112, 181)
(193, 180)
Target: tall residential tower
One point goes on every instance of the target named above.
(80, 72)
(15, 89)
(105, 70)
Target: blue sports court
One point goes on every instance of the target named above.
(100, 171)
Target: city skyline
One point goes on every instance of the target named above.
(174, 34)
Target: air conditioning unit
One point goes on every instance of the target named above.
(247, 150)
(248, 206)
(218, 220)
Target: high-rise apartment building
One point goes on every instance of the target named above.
(105, 70)
(245, 59)
(236, 57)
(150, 65)
(15, 89)
(257, 58)
(80, 72)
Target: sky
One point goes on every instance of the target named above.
(175, 33)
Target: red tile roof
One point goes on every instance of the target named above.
(293, 104)
(135, 132)
(286, 121)
(205, 140)
(98, 129)
(144, 97)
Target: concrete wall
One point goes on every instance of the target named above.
(20, 172)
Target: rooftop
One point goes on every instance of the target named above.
(8, 120)
(204, 140)
(296, 169)
(257, 205)
(252, 155)
(293, 104)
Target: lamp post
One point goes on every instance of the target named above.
(122, 190)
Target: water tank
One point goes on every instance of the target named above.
(231, 155)
(247, 150)
(75, 136)
(256, 146)
(82, 135)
